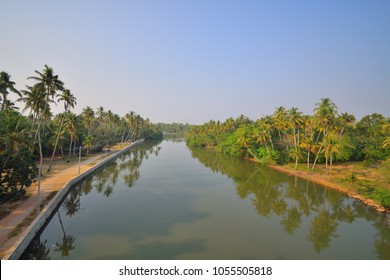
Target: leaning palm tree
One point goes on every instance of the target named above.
(69, 102)
(5, 85)
(34, 101)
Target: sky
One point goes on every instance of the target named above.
(196, 60)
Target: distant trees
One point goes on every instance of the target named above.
(288, 135)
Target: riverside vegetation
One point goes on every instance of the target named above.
(25, 140)
(360, 149)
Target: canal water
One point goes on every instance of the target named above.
(162, 200)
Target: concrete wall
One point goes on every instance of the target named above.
(29, 234)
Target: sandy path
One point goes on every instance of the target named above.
(61, 173)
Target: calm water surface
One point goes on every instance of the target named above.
(165, 201)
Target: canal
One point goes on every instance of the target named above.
(162, 200)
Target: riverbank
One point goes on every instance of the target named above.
(14, 224)
(338, 181)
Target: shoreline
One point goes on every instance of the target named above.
(319, 179)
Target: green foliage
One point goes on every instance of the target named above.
(267, 156)
(378, 194)
(369, 136)
(19, 171)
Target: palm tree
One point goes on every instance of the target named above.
(5, 85)
(51, 83)
(100, 113)
(280, 121)
(34, 99)
(88, 143)
(325, 115)
(69, 102)
(333, 145)
(344, 121)
(296, 120)
(72, 128)
(88, 116)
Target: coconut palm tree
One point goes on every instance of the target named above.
(296, 121)
(69, 102)
(281, 121)
(34, 100)
(325, 114)
(51, 84)
(88, 116)
(72, 128)
(345, 120)
(5, 85)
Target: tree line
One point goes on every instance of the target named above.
(289, 136)
(27, 138)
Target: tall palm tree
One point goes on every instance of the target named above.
(5, 85)
(34, 99)
(325, 114)
(296, 121)
(345, 120)
(280, 121)
(51, 83)
(72, 128)
(88, 116)
(69, 102)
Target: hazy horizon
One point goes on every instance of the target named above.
(192, 61)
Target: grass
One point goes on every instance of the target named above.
(370, 181)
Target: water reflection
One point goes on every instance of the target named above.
(292, 199)
(125, 166)
(158, 202)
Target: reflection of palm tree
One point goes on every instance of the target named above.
(108, 190)
(279, 206)
(67, 241)
(292, 220)
(72, 203)
(322, 228)
(37, 250)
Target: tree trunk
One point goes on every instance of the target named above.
(308, 158)
(70, 149)
(55, 145)
(319, 151)
(326, 163)
(330, 166)
(251, 153)
(39, 172)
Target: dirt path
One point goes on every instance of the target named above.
(54, 180)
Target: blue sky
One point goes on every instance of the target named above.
(192, 61)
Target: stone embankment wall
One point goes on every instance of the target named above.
(29, 234)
